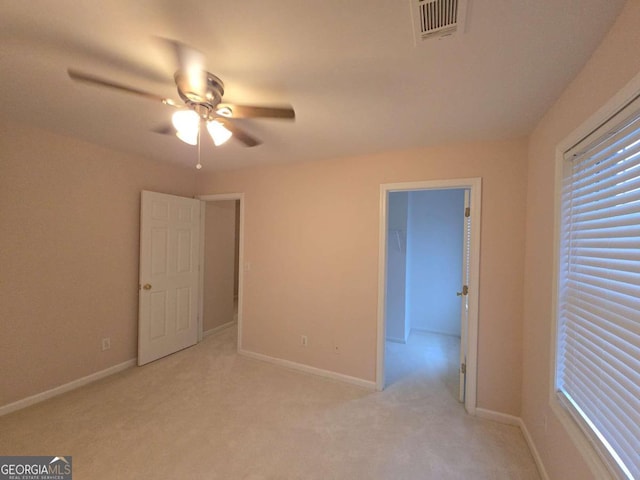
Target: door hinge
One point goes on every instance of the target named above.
(467, 212)
(463, 368)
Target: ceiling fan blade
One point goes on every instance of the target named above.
(191, 63)
(238, 133)
(186, 57)
(92, 79)
(248, 111)
(165, 129)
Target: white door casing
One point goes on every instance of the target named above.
(169, 275)
(464, 310)
(242, 268)
(474, 185)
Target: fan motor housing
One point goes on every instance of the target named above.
(209, 96)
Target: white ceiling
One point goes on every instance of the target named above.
(350, 68)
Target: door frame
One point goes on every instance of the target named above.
(475, 187)
(217, 198)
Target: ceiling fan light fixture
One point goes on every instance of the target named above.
(185, 120)
(187, 124)
(219, 133)
(201, 93)
(188, 137)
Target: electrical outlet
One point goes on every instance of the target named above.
(106, 343)
(304, 341)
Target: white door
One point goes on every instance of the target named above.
(464, 310)
(169, 274)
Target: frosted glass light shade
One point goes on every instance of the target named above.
(187, 124)
(188, 137)
(218, 132)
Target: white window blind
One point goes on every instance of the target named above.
(598, 350)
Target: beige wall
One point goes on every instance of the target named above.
(611, 67)
(219, 263)
(69, 257)
(311, 238)
(69, 247)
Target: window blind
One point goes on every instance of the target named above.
(598, 350)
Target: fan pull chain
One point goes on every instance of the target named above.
(199, 165)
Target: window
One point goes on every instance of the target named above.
(598, 317)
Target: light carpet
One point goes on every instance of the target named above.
(208, 413)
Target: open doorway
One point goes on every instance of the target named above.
(428, 284)
(424, 265)
(221, 275)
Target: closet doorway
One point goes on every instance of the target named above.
(428, 282)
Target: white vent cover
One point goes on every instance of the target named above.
(437, 18)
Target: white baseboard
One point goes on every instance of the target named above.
(497, 416)
(396, 340)
(211, 331)
(369, 385)
(426, 330)
(534, 451)
(40, 397)
(516, 421)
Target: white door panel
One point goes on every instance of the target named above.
(169, 256)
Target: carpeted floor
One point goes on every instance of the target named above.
(207, 413)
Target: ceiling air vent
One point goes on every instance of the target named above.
(437, 18)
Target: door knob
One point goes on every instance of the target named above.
(465, 291)
(147, 286)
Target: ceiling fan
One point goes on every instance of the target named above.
(201, 93)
